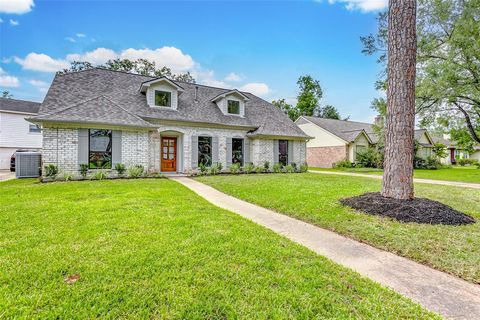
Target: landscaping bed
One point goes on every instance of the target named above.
(418, 210)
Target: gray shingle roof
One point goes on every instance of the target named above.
(19, 105)
(122, 89)
(346, 130)
(98, 110)
(349, 130)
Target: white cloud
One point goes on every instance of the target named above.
(9, 81)
(70, 39)
(97, 56)
(1, 20)
(41, 62)
(14, 22)
(259, 89)
(16, 6)
(38, 83)
(2, 71)
(81, 35)
(363, 5)
(233, 77)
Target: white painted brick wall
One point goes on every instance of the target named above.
(60, 147)
(135, 148)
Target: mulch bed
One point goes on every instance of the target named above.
(419, 210)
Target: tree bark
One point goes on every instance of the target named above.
(400, 121)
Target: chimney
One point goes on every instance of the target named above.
(196, 94)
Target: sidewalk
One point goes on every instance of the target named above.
(6, 175)
(434, 290)
(417, 180)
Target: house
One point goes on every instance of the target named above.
(454, 151)
(15, 132)
(102, 117)
(337, 140)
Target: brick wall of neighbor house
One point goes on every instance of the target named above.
(135, 148)
(325, 157)
(60, 147)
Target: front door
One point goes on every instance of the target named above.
(169, 154)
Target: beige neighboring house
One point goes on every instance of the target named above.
(454, 151)
(337, 140)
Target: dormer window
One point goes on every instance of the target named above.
(233, 106)
(163, 98)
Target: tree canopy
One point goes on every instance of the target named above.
(139, 66)
(448, 66)
(308, 101)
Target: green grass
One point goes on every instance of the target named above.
(154, 249)
(315, 198)
(460, 174)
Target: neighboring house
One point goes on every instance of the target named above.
(15, 131)
(455, 152)
(101, 117)
(337, 140)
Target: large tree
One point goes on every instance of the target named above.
(400, 118)
(308, 101)
(139, 66)
(448, 65)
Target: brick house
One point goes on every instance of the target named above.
(101, 117)
(337, 140)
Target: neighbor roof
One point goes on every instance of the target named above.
(21, 106)
(346, 130)
(122, 89)
(349, 130)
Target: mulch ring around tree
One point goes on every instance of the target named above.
(419, 210)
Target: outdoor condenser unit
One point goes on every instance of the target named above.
(28, 164)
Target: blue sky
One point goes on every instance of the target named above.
(261, 47)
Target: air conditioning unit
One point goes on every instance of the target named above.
(28, 164)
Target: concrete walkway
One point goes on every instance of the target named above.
(6, 175)
(437, 291)
(379, 177)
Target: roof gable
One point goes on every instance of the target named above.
(148, 83)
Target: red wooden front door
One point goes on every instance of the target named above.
(169, 154)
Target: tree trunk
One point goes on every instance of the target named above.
(400, 120)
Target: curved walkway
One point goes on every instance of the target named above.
(434, 290)
(417, 180)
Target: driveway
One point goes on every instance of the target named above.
(6, 175)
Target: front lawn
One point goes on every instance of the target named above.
(460, 174)
(315, 198)
(154, 249)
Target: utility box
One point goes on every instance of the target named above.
(28, 164)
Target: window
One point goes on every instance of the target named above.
(163, 98)
(100, 149)
(205, 151)
(237, 151)
(283, 152)
(34, 128)
(233, 107)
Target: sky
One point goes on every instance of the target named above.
(256, 46)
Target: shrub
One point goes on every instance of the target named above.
(203, 168)
(249, 167)
(84, 169)
(304, 167)
(259, 169)
(99, 175)
(467, 162)
(120, 168)
(266, 166)
(277, 167)
(343, 164)
(235, 168)
(370, 158)
(67, 176)
(289, 168)
(51, 170)
(213, 170)
(135, 171)
(294, 165)
(430, 163)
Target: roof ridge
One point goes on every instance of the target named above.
(69, 107)
(339, 120)
(21, 100)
